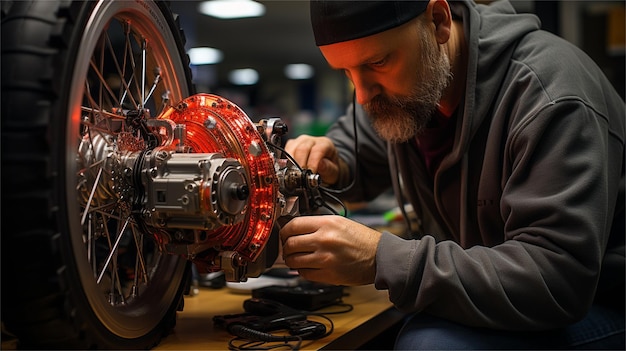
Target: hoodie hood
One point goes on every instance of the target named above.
(493, 31)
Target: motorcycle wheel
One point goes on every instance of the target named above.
(79, 269)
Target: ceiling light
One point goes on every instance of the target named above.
(229, 9)
(244, 76)
(299, 71)
(204, 56)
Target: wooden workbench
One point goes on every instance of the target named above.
(372, 315)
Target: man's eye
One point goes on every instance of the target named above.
(379, 63)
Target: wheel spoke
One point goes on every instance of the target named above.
(93, 191)
(113, 250)
(106, 114)
(157, 79)
(124, 89)
(140, 264)
(102, 80)
(98, 71)
(128, 54)
(143, 74)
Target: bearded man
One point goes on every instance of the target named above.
(507, 141)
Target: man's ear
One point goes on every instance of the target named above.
(439, 11)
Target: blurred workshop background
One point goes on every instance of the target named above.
(261, 54)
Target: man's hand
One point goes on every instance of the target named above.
(317, 154)
(330, 249)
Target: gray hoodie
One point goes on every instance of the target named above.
(522, 225)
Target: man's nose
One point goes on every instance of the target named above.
(366, 88)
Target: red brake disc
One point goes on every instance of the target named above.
(216, 125)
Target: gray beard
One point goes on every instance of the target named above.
(399, 119)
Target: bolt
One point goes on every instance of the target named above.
(210, 123)
(255, 148)
(240, 261)
(162, 155)
(184, 199)
(241, 191)
(254, 246)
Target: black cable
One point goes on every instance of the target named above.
(356, 151)
(328, 191)
(261, 345)
(293, 160)
(257, 340)
(256, 335)
(323, 191)
(330, 323)
(348, 308)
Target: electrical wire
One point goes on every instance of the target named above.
(263, 345)
(356, 155)
(293, 344)
(356, 152)
(348, 308)
(324, 192)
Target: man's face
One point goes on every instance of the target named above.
(399, 76)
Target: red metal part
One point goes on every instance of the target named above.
(216, 125)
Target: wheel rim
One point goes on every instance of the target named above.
(125, 48)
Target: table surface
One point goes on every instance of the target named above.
(372, 314)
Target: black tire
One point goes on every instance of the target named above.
(52, 255)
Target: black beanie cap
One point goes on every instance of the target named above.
(337, 21)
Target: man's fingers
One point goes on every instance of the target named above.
(309, 151)
(295, 244)
(323, 149)
(302, 225)
(300, 260)
(300, 149)
(328, 171)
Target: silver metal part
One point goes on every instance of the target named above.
(184, 196)
(194, 191)
(299, 189)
